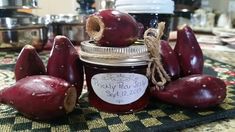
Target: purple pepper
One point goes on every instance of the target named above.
(194, 91)
(64, 63)
(169, 60)
(189, 53)
(28, 63)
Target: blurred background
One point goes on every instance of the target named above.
(219, 7)
(37, 22)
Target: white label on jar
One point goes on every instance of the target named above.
(119, 88)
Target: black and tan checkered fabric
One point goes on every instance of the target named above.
(158, 116)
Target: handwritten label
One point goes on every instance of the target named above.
(119, 88)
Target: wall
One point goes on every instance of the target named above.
(56, 7)
(219, 5)
(69, 6)
(222, 6)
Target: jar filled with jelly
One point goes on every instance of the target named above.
(149, 12)
(116, 77)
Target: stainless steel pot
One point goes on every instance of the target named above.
(16, 38)
(18, 4)
(14, 22)
(72, 26)
(18, 28)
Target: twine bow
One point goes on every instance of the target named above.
(152, 39)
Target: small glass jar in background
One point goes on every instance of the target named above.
(104, 4)
(86, 7)
(149, 13)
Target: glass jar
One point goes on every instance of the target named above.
(149, 13)
(115, 77)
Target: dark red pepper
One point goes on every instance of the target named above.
(169, 60)
(40, 97)
(189, 53)
(28, 63)
(64, 63)
(194, 91)
(113, 28)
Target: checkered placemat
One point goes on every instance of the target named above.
(158, 116)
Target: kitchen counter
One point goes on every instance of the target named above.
(156, 117)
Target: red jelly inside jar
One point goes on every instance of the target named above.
(116, 77)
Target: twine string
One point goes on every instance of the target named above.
(152, 39)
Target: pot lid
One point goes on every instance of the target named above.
(64, 18)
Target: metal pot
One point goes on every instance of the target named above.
(15, 38)
(20, 29)
(72, 26)
(14, 22)
(18, 4)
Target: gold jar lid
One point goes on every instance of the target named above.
(134, 55)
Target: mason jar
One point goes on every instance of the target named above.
(149, 12)
(116, 77)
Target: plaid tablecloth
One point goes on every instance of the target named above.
(158, 116)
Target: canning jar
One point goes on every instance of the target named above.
(149, 12)
(116, 77)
